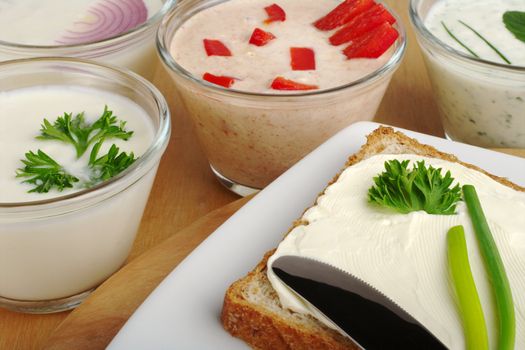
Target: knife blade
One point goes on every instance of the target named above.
(361, 312)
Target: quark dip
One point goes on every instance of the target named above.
(62, 235)
(33, 105)
(118, 32)
(404, 256)
(266, 82)
(477, 68)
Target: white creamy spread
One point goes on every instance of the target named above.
(480, 105)
(233, 22)
(404, 255)
(485, 16)
(22, 112)
(36, 22)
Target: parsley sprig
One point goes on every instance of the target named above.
(76, 131)
(44, 172)
(110, 164)
(421, 188)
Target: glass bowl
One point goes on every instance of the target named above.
(252, 138)
(134, 49)
(53, 252)
(480, 102)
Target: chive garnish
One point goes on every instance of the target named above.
(487, 42)
(458, 41)
(467, 295)
(495, 270)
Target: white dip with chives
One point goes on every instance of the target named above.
(485, 16)
(482, 104)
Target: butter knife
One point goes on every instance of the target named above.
(358, 310)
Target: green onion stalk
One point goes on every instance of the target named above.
(495, 270)
(467, 295)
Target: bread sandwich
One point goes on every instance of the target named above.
(252, 309)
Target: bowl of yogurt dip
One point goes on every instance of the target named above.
(476, 66)
(266, 82)
(118, 32)
(80, 144)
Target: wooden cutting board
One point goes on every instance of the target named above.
(100, 317)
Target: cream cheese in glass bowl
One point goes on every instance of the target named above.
(57, 246)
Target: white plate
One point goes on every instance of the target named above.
(183, 312)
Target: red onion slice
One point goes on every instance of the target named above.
(111, 18)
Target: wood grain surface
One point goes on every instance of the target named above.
(184, 191)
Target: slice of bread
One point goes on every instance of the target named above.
(251, 309)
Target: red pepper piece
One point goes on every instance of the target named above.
(281, 83)
(219, 80)
(275, 14)
(260, 37)
(302, 58)
(216, 48)
(361, 24)
(372, 44)
(343, 14)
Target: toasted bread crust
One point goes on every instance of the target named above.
(263, 328)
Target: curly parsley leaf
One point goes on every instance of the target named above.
(421, 188)
(515, 22)
(81, 135)
(45, 173)
(110, 164)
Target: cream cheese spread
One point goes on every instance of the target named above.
(404, 255)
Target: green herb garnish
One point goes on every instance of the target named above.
(421, 188)
(458, 41)
(487, 42)
(495, 269)
(466, 292)
(110, 164)
(44, 172)
(76, 131)
(515, 22)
